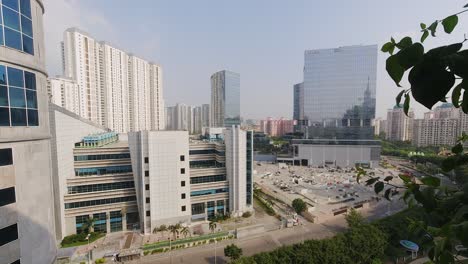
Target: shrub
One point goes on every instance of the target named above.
(144, 253)
(81, 237)
(100, 261)
(247, 214)
(299, 205)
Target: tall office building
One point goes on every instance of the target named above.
(205, 115)
(64, 92)
(178, 180)
(225, 99)
(116, 89)
(27, 232)
(399, 126)
(298, 94)
(339, 105)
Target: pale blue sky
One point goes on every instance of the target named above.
(263, 40)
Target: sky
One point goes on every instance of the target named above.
(263, 40)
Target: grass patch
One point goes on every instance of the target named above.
(80, 239)
(184, 241)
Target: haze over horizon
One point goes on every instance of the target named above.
(264, 41)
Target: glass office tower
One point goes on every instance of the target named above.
(225, 99)
(339, 92)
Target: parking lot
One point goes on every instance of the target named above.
(327, 191)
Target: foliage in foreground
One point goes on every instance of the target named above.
(233, 252)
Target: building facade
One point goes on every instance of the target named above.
(399, 125)
(92, 176)
(116, 89)
(277, 127)
(380, 126)
(64, 93)
(178, 180)
(27, 233)
(225, 99)
(298, 95)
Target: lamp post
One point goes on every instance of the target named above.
(215, 251)
(89, 251)
(170, 249)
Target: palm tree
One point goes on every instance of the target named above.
(162, 228)
(212, 226)
(185, 231)
(174, 230)
(88, 225)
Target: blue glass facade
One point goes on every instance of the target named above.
(339, 92)
(208, 192)
(103, 170)
(18, 97)
(16, 29)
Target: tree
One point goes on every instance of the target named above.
(212, 225)
(88, 225)
(299, 205)
(162, 228)
(354, 218)
(233, 252)
(174, 230)
(185, 231)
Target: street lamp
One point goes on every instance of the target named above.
(89, 251)
(215, 251)
(170, 249)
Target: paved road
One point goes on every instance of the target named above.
(266, 241)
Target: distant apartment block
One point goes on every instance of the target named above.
(440, 127)
(399, 125)
(277, 127)
(186, 117)
(64, 92)
(225, 99)
(116, 89)
(380, 126)
(298, 95)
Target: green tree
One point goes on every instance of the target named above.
(185, 231)
(88, 225)
(354, 218)
(174, 230)
(162, 228)
(366, 243)
(233, 252)
(299, 205)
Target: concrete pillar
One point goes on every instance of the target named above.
(124, 222)
(108, 227)
(91, 229)
(206, 212)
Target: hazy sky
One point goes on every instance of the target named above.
(263, 40)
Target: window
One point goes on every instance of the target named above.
(182, 183)
(182, 171)
(182, 196)
(146, 173)
(18, 97)
(146, 160)
(100, 187)
(6, 156)
(99, 202)
(7, 196)
(183, 208)
(147, 187)
(16, 262)
(147, 200)
(182, 158)
(148, 213)
(206, 179)
(17, 25)
(8, 234)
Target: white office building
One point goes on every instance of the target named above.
(116, 89)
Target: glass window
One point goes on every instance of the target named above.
(26, 26)
(1, 33)
(3, 79)
(12, 39)
(31, 99)
(18, 117)
(7, 196)
(17, 97)
(25, 7)
(4, 117)
(15, 77)
(8, 234)
(11, 19)
(6, 157)
(28, 45)
(33, 118)
(30, 80)
(12, 4)
(3, 95)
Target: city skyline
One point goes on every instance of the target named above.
(277, 40)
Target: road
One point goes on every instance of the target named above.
(267, 241)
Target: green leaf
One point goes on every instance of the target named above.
(449, 23)
(456, 95)
(411, 55)
(378, 187)
(449, 163)
(458, 63)
(461, 231)
(387, 47)
(387, 194)
(371, 181)
(465, 6)
(405, 178)
(424, 35)
(398, 98)
(433, 28)
(457, 149)
(388, 178)
(392, 40)
(465, 102)
(423, 26)
(431, 181)
(404, 43)
(406, 104)
(394, 69)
